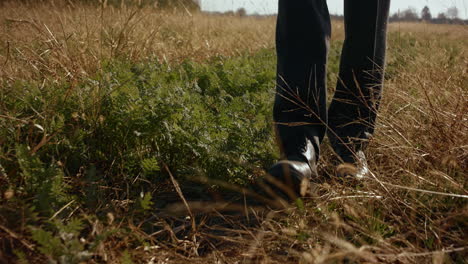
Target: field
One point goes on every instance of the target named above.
(129, 134)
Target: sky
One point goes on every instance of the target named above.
(335, 6)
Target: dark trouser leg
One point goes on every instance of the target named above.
(302, 36)
(302, 41)
(353, 110)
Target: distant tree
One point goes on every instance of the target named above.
(426, 14)
(441, 16)
(452, 12)
(409, 14)
(241, 12)
(395, 17)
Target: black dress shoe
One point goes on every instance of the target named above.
(291, 176)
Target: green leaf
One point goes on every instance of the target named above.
(126, 258)
(48, 244)
(145, 202)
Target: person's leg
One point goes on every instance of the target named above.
(353, 110)
(302, 41)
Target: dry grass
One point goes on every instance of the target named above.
(412, 210)
(74, 40)
(450, 31)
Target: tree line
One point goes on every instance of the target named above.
(450, 16)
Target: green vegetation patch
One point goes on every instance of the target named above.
(116, 136)
(201, 120)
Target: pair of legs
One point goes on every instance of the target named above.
(300, 111)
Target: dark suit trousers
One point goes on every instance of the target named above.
(302, 43)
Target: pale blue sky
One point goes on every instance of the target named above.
(335, 6)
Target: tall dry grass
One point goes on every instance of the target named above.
(412, 210)
(74, 40)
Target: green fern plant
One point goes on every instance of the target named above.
(44, 183)
(62, 244)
